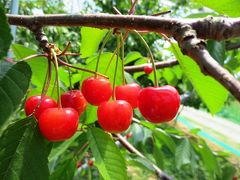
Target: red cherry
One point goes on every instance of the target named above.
(129, 93)
(148, 69)
(79, 164)
(159, 104)
(32, 102)
(115, 116)
(96, 90)
(58, 124)
(90, 162)
(129, 135)
(75, 100)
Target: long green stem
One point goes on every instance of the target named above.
(122, 55)
(69, 73)
(115, 72)
(57, 77)
(105, 40)
(151, 57)
(115, 51)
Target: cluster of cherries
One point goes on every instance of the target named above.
(156, 104)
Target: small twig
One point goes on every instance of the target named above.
(159, 65)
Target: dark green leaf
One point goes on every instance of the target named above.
(217, 50)
(158, 154)
(13, 87)
(23, 152)
(91, 38)
(109, 159)
(209, 159)
(65, 169)
(163, 138)
(225, 7)
(61, 147)
(183, 153)
(5, 33)
(211, 91)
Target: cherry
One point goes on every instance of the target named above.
(129, 93)
(115, 116)
(96, 90)
(32, 102)
(79, 164)
(90, 162)
(159, 104)
(75, 100)
(148, 69)
(129, 135)
(58, 124)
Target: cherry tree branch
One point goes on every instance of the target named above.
(217, 28)
(188, 33)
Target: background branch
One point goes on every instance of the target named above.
(159, 65)
(161, 175)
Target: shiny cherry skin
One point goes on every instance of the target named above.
(32, 102)
(58, 124)
(75, 100)
(115, 116)
(148, 69)
(96, 90)
(159, 104)
(129, 93)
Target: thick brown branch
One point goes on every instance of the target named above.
(159, 65)
(196, 49)
(206, 28)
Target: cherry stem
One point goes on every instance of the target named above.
(115, 72)
(105, 40)
(57, 76)
(45, 85)
(69, 73)
(151, 57)
(122, 53)
(34, 56)
(81, 69)
(115, 51)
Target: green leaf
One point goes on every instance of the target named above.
(6, 37)
(13, 87)
(65, 169)
(209, 159)
(158, 154)
(217, 50)
(169, 76)
(23, 152)
(132, 56)
(163, 138)
(225, 7)
(109, 159)
(91, 38)
(210, 91)
(183, 153)
(60, 147)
